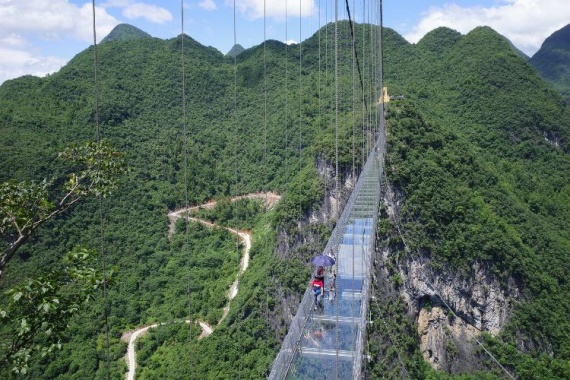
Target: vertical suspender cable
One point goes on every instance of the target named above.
(300, 114)
(355, 65)
(326, 106)
(371, 73)
(381, 71)
(336, 153)
(186, 182)
(100, 198)
(378, 85)
(236, 164)
(265, 171)
(337, 188)
(363, 88)
(286, 86)
(320, 103)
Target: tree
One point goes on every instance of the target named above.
(36, 312)
(24, 206)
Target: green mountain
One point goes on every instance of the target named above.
(125, 32)
(236, 50)
(552, 60)
(477, 177)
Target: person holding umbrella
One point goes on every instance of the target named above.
(317, 284)
(318, 290)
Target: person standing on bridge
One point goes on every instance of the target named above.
(318, 290)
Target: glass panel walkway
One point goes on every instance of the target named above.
(326, 340)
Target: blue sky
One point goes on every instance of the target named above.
(40, 36)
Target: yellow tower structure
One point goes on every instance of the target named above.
(385, 97)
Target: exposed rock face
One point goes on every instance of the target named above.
(446, 343)
(451, 307)
(475, 297)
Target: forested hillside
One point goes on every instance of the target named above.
(478, 158)
(479, 154)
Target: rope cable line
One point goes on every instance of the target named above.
(337, 189)
(100, 198)
(236, 168)
(353, 94)
(185, 143)
(319, 95)
(364, 154)
(286, 83)
(300, 116)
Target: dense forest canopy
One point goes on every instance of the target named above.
(478, 148)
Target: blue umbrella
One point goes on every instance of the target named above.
(323, 260)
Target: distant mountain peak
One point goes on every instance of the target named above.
(125, 32)
(236, 50)
(440, 39)
(552, 60)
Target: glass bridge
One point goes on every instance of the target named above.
(326, 341)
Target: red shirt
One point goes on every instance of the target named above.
(318, 282)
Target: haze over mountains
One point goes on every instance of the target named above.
(477, 167)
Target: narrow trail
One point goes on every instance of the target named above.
(270, 199)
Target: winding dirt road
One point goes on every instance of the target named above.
(270, 199)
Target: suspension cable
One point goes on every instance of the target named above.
(353, 43)
(336, 369)
(185, 136)
(265, 171)
(364, 153)
(236, 165)
(300, 115)
(100, 199)
(337, 188)
(320, 103)
(286, 86)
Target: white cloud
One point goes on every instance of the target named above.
(150, 12)
(53, 20)
(133, 9)
(208, 5)
(253, 9)
(25, 26)
(527, 23)
(16, 62)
